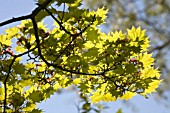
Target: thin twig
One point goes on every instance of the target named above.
(63, 12)
(64, 29)
(73, 35)
(60, 23)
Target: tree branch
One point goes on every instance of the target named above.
(64, 29)
(33, 14)
(161, 47)
(14, 20)
(5, 85)
(35, 27)
(8, 74)
(59, 23)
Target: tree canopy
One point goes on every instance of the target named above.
(37, 61)
(153, 15)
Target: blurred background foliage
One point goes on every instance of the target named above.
(152, 15)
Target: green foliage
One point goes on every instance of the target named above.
(84, 106)
(119, 111)
(104, 67)
(123, 14)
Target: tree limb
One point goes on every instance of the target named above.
(33, 14)
(161, 46)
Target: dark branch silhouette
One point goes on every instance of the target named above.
(33, 14)
(161, 46)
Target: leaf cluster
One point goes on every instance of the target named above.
(104, 67)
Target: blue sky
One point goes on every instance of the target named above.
(65, 103)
